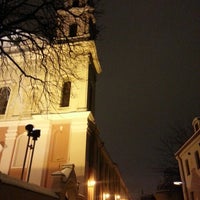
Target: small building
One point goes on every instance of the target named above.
(188, 157)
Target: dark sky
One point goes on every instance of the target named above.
(150, 55)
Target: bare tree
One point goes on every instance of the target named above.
(171, 142)
(169, 145)
(36, 47)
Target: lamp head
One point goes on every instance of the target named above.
(35, 134)
(29, 128)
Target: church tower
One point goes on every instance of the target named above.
(63, 118)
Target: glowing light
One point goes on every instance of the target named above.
(91, 183)
(106, 196)
(178, 183)
(117, 196)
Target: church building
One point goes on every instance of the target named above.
(49, 133)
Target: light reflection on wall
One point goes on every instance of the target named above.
(91, 189)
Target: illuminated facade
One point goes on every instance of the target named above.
(188, 157)
(68, 133)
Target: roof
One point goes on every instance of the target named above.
(191, 139)
(5, 179)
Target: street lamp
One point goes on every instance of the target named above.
(91, 183)
(177, 183)
(34, 134)
(106, 196)
(117, 197)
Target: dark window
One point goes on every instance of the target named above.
(75, 3)
(92, 29)
(196, 126)
(192, 195)
(72, 30)
(197, 158)
(90, 2)
(187, 167)
(4, 96)
(65, 94)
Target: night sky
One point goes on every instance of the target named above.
(150, 55)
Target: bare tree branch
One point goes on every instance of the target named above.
(36, 46)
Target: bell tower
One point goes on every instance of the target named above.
(78, 21)
(79, 28)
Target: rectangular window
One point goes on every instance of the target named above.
(65, 94)
(73, 30)
(187, 167)
(192, 195)
(197, 158)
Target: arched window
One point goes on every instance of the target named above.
(4, 96)
(65, 94)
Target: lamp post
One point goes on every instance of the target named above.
(34, 134)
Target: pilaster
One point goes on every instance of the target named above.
(10, 138)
